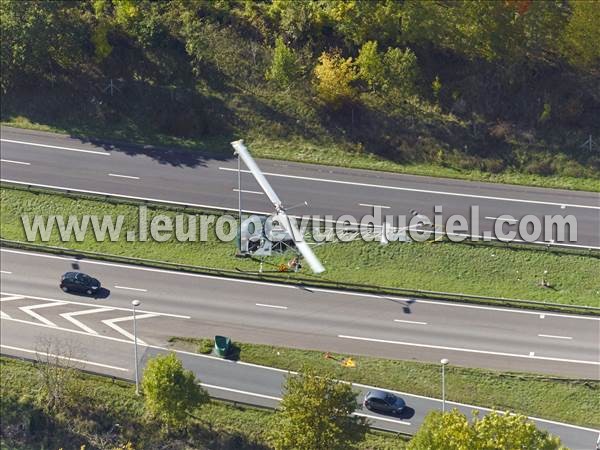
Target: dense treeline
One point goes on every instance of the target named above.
(473, 85)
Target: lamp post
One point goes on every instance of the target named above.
(444, 362)
(135, 303)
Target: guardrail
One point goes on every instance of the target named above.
(183, 207)
(307, 282)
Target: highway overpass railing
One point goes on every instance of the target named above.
(408, 295)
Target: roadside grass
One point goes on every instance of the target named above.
(442, 266)
(299, 149)
(561, 399)
(107, 402)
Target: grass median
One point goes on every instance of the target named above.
(110, 414)
(561, 399)
(441, 266)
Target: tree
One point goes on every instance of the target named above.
(334, 77)
(402, 70)
(370, 65)
(171, 391)
(57, 365)
(581, 38)
(284, 67)
(495, 431)
(316, 414)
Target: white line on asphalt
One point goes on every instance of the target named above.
(426, 191)
(116, 308)
(271, 306)
(3, 315)
(542, 316)
(410, 321)
(28, 310)
(531, 353)
(131, 288)
(384, 419)
(503, 219)
(69, 317)
(468, 350)
(274, 369)
(264, 213)
(442, 303)
(554, 336)
(6, 272)
(15, 162)
(123, 176)
(91, 363)
(237, 391)
(289, 286)
(80, 150)
(374, 206)
(11, 297)
(118, 329)
(249, 192)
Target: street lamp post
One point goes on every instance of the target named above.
(135, 303)
(444, 362)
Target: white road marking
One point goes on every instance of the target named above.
(80, 150)
(554, 336)
(15, 162)
(3, 315)
(271, 306)
(274, 369)
(69, 317)
(118, 329)
(91, 363)
(116, 308)
(123, 176)
(374, 206)
(249, 192)
(468, 350)
(28, 310)
(503, 219)
(410, 321)
(542, 316)
(264, 213)
(425, 191)
(531, 353)
(289, 286)
(6, 272)
(132, 289)
(11, 297)
(384, 419)
(237, 391)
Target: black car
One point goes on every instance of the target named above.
(384, 402)
(79, 282)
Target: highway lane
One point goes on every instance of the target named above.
(392, 327)
(234, 381)
(197, 178)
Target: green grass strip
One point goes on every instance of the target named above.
(443, 266)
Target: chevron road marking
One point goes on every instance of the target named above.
(69, 317)
(11, 297)
(28, 310)
(118, 329)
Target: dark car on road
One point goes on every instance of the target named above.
(79, 282)
(384, 402)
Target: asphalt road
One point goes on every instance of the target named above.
(235, 381)
(250, 311)
(196, 178)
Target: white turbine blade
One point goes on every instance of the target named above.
(304, 249)
(242, 152)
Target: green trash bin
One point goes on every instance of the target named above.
(222, 346)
